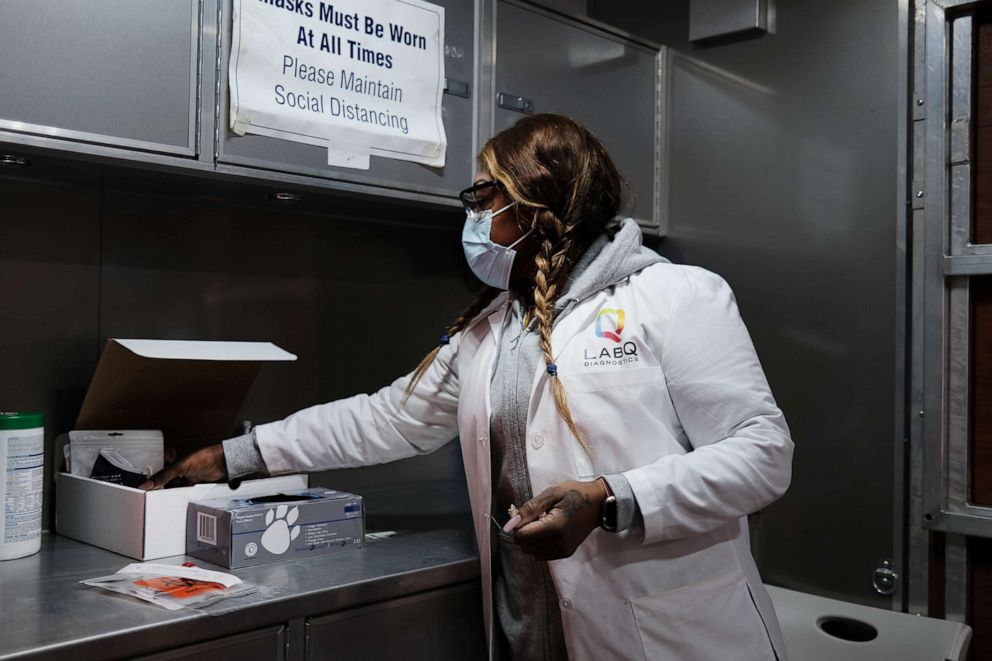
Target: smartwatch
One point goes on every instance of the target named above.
(609, 518)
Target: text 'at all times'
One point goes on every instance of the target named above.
(333, 44)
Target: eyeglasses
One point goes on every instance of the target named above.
(471, 198)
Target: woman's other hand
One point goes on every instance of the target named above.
(205, 465)
(557, 520)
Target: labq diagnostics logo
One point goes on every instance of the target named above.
(609, 323)
(609, 326)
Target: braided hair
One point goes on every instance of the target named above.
(555, 169)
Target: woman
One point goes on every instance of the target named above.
(615, 397)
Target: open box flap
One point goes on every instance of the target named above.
(191, 390)
(200, 350)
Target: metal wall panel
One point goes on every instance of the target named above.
(783, 175)
(457, 112)
(589, 75)
(49, 293)
(120, 72)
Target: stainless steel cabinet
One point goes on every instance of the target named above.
(440, 624)
(146, 81)
(267, 644)
(268, 153)
(547, 63)
(110, 72)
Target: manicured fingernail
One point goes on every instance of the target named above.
(145, 486)
(512, 523)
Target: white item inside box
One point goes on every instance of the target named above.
(143, 450)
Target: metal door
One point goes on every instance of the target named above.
(113, 72)
(548, 63)
(439, 624)
(783, 181)
(267, 644)
(950, 524)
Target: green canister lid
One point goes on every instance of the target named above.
(16, 420)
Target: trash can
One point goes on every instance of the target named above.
(820, 629)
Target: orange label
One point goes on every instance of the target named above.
(179, 588)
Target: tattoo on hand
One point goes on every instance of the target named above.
(573, 501)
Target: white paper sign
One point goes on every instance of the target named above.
(364, 77)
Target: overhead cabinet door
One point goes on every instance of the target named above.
(298, 158)
(113, 72)
(545, 63)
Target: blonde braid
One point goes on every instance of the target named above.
(558, 169)
(484, 298)
(552, 270)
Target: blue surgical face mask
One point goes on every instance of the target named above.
(489, 261)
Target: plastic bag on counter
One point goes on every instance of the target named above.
(174, 587)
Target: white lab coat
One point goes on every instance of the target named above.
(676, 400)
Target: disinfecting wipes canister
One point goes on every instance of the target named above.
(22, 466)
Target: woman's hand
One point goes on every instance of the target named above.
(557, 520)
(206, 465)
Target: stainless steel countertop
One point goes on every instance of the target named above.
(45, 612)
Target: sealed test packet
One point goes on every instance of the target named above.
(173, 587)
(137, 451)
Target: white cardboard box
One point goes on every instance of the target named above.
(144, 525)
(192, 391)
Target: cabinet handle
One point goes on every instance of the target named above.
(457, 88)
(515, 103)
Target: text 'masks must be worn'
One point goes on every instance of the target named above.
(360, 77)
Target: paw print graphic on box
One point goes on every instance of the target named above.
(279, 529)
(238, 531)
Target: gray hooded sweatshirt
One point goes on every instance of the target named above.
(526, 603)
